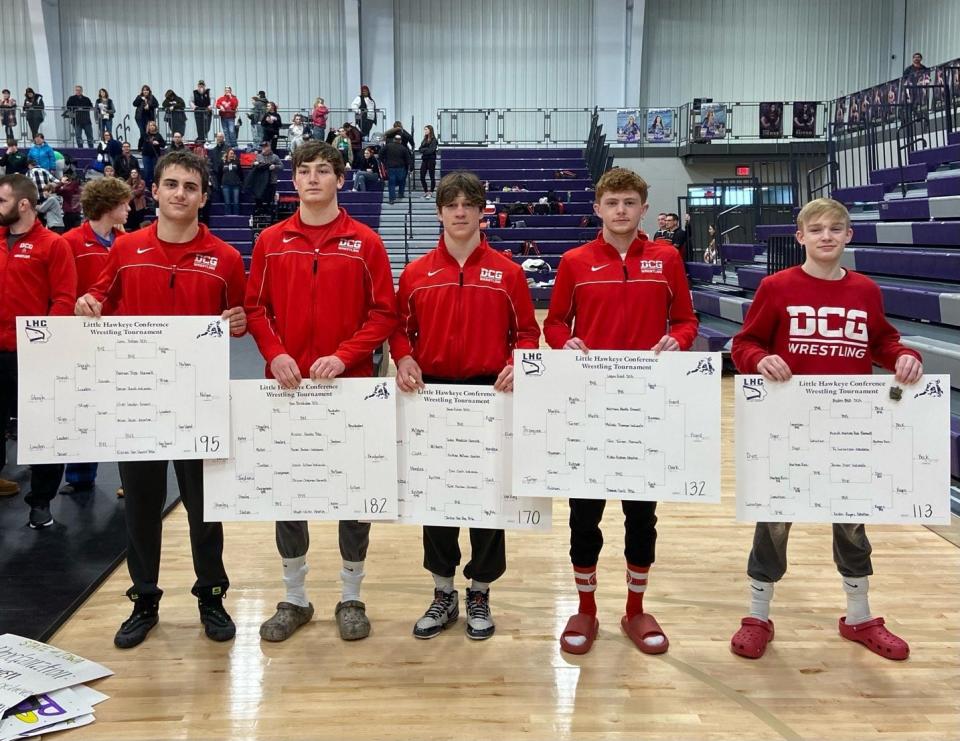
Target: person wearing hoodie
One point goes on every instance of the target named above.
(258, 109)
(145, 108)
(33, 109)
(42, 154)
(174, 112)
(202, 113)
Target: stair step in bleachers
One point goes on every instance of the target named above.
(741, 252)
(946, 185)
(909, 263)
(897, 175)
(859, 194)
(731, 308)
(946, 233)
(936, 156)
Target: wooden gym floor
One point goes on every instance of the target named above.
(811, 684)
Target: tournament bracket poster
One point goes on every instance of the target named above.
(713, 121)
(659, 127)
(628, 128)
(771, 120)
(804, 119)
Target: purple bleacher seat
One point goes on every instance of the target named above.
(709, 339)
(909, 263)
(937, 232)
(946, 186)
(859, 194)
(762, 232)
(912, 302)
(935, 156)
(897, 175)
(905, 209)
(955, 446)
(701, 271)
(737, 252)
(749, 276)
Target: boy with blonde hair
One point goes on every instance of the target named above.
(840, 299)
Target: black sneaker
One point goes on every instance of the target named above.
(217, 623)
(479, 620)
(442, 613)
(76, 488)
(145, 615)
(40, 516)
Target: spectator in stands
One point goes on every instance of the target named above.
(108, 150)
(151, 148)
(227, 105)
(174, 113)
(916, 68)
(216, 156)
(202, 113)
(109, 171)
(126, 162)
(177, 142)
(270, 125)
(365, 111)
(78, 110)
(46, 283)
(69, 191)
(14, 161)
(319, 119)
(710, 254)
(41, 178)
(677, 235)
(33, 108)
(341, 142)
(230, 178)
(661, 225)
(50, 209)
(356, 142)
(428, 160)
(398, 130)
(138, 201)
(398, 159)
(368, 172)
(295, 133)
(104, 111)
(42, 153)
(258, 109)
(428, 348)
(267, 161)
(8, 114)
(145, 108)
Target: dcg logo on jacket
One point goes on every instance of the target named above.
(491, 276)
(651, 266)
(350, 245)
(205, 261)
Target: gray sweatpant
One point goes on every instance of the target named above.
(293, 539)
(768, 557)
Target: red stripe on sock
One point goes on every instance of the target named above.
(635, 599)
(586, 576)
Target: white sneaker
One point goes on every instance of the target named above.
(442, 613)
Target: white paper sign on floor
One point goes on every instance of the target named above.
(122, 388)
(842, 449)
(28, 667)
(324, 451)
(454, 453)
(617, 425)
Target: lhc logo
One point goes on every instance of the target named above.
(805, 321)
(532, 363)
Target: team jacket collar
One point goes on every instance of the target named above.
(31, 233)
(635, 249)
(198, 245)
(476, 256)
(339, 227)
(91, 239)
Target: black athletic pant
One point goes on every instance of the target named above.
(145, 488)
(44, 479)
(441, 544)
(428, 165)
(586, 538)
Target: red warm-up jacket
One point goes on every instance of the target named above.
(37, 278)
(613, 303)
(89, 254)
(463, 322)
(146, 276)
(320, 290)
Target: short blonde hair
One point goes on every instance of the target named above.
(620, 180)
(823, 207)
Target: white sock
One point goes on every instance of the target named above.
(443, 583)
(858, 606)
(351, 574)
(761, 592)
(294, 579)
(479, 586)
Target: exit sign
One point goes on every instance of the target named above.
(743, 171)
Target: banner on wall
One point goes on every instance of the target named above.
(804, 119)
(771, 120)
(628, 130)
(659, 125)
(840, 114)
(713, 121)
(853, 104)
(891, 94)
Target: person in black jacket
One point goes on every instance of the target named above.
(104, 111)
(428, 160)
(398, 160)
(145, 109)
(33, 109)
(369, 171)
(79, 107)
(202, 112)
(151, 146)
(125, 163)
(174, 113)
(270, 125)
(398, 130)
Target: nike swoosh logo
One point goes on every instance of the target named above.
(852, 586)
(434, 272)
(89, 244)
(141, 251)
(755, 589)
(287, 240)
(595, 268)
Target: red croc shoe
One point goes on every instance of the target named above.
(752, 638)
(579, 625)
(878, 639)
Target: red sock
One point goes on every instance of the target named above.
(636, 586)
(586, 578)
